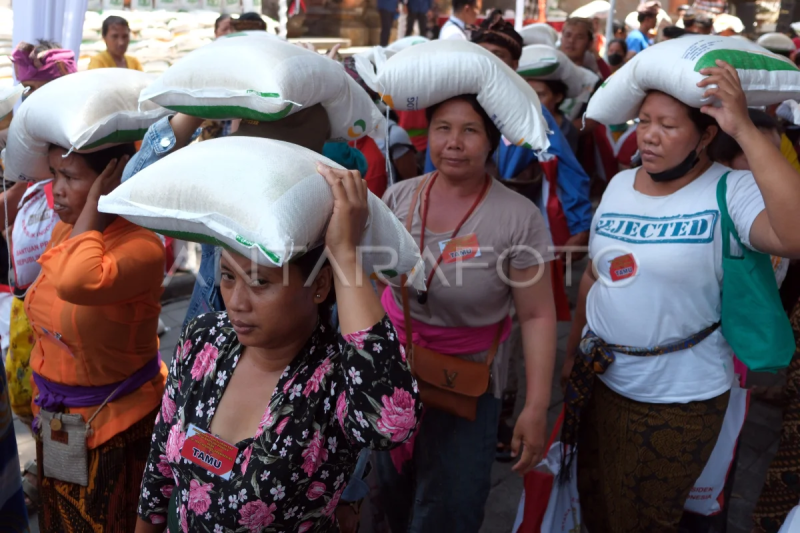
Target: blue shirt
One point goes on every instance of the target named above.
(573, 182)
(637, 41)
(418, 6)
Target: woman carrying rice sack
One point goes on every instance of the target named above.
(94, 311)
(492, 247)
(288, 400)
(34, 67)
(646, 428)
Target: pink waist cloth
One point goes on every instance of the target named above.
(448, 341)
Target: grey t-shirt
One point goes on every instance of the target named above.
(472, 292)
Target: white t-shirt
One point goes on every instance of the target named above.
(454, 28)
(659, 267)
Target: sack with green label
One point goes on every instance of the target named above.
(753, 319)
(427, 74)
(274, 207)
(673, 67)
(85, 112)
(542, 62)
(258, 76)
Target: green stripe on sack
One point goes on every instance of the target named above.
(207, 239)
(223, 112)
(538, 71)
(117, 137)
(740, 59)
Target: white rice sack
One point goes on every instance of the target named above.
(258, 76)
(190, 5)
(211, 5)
(142, 5)
(539, 33)
(405, 42)
(113, 4)
(766, 78)
(430, 73)
(86, 112)
(9, 97)
(776, 42)
(274, 208)
(542, 62)
(598, 8)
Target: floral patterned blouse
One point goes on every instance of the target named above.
(337, 396)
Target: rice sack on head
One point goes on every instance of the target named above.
(274, 207)
(541, 62)
(430, 73)
(673, 67)
(539, 33)
(9, 96)
(258, 76)
(86, 112)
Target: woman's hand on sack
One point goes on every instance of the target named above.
(108, 180)
(731, 115)
(350, 211)
(529, 439)
(90, 218)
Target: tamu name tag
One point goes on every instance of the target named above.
(622, 267)
(460, 248)
(209, 452)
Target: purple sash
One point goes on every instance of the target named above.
(53, 396)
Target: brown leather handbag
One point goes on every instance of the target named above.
(445, 382)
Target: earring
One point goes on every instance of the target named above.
(319, 296)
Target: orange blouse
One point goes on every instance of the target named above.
(101, 293)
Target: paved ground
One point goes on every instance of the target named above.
(757, 447)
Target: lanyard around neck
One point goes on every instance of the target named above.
(422, 298)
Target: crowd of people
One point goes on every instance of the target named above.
(325, 370)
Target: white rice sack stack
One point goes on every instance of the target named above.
(276, 205)
(231, 7)
(86, 112)
(777, 42)
(766, 78)
(142, 5)
(9, 97)
(542, 62)
(427, 74)
(258, 76)
(539, 33)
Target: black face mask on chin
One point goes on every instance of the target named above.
(679, 170)
(615, 59)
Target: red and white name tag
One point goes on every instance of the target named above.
(622, 267)
(460, 248)
(209, 452)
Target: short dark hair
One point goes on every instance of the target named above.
(491, 130)
(618, 26)
(556, 87)
(644, 16)
(703, 20)
(98, 161)
(673, 32)
(113, 21)
(498, 31)
(220, 20)
(458, 5)
(249, 22)
(620, 42)
(724, 148)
